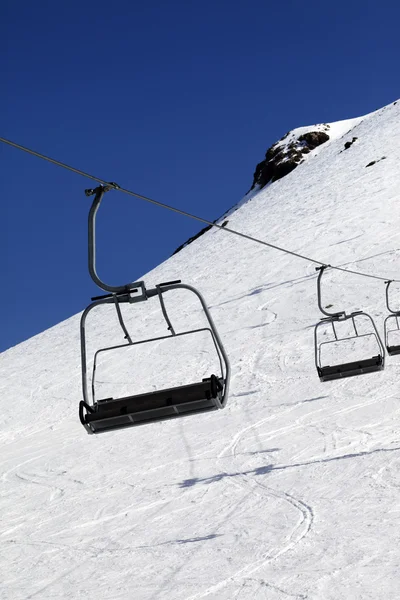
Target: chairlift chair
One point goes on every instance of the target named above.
(393, 317)
(106, 414)
(348, 369)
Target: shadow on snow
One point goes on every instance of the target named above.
(269, 468)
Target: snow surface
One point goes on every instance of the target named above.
(292, 491)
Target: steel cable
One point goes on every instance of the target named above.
(190, 215)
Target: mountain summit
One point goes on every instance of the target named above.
(291, 491)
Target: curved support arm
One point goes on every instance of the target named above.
(85, 313)
(394, 312)
(99, 193)
(338, 314)
(378, 337)
(217, 340)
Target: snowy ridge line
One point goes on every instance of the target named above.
(112, 185)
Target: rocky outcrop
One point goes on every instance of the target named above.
(312, 139)
(284, 156)
(280, 159)
(348, 144)
(373, 162)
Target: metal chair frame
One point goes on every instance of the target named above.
(326, 373)
(132, 293)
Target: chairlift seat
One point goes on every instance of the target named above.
(392, 350)
(359, 367)
(116, 413)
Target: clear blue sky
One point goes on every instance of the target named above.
(176, 100)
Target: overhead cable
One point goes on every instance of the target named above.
(189, 215)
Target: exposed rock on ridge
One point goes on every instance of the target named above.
(280, 159)
(284, 156)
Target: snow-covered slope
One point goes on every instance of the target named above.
(292, 490)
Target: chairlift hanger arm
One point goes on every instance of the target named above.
(339, 315)
(98, 196)
(394, 312)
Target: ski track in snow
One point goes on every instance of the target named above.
(299, 531)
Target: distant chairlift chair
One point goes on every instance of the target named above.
(115, 413)
(358, 367)
(394, 316)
